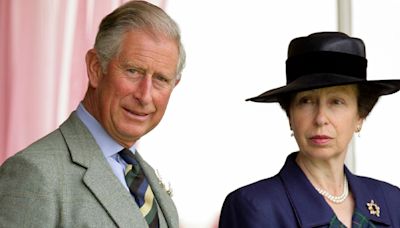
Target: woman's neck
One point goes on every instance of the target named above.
(323, 174)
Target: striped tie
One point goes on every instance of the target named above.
(140, 188)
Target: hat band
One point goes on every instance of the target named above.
(325, 62)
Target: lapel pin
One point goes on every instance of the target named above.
(373, 208)
(161, 182)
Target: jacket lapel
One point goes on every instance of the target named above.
(99, 178)
(309, 206)
(165, 202)
(365, 190)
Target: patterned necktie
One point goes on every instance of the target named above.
(140, 188)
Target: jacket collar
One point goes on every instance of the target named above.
(98, 176)
(366, 190)
(310, 207)
(103, 183)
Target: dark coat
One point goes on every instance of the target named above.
(289, 200)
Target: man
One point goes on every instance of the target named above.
(75, 176)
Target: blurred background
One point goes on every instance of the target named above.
(210, 141)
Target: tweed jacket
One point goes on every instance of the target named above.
(63, 180)
(289, 200)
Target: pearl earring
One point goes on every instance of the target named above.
(358, 130)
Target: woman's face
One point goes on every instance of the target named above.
(324, 120)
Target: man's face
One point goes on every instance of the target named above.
(132, 96)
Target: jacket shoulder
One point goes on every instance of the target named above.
(269, 189)
(28, 180)
(250, 205)
(390, 191)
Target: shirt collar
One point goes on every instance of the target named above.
(108, 145)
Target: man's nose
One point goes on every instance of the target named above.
(143, 90)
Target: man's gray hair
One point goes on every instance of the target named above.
(135, 15)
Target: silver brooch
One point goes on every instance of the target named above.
(168, 188)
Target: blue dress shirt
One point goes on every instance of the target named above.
(108, 146)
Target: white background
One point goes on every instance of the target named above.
(378, 148)
(211, 141)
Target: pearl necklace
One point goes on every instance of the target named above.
(336, 199)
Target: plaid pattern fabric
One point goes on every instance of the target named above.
(359, 221)
(140, 188)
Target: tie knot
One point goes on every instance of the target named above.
(128, 156)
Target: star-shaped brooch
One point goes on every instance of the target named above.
(373, 208)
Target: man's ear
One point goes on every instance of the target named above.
(177, 82)
(93, 68)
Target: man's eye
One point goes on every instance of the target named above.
(134, 73)
(162, 78)
(132, 70)
(162, 82)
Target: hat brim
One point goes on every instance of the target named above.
(322, 80)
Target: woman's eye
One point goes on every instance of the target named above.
(305, 100)
(338, 101)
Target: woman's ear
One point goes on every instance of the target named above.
(290, 123)
(93, 68)
(359, 125)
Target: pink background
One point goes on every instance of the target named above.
(42, 64)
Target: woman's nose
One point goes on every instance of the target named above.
(321, 115)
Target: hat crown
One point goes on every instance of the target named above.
(326, 59)
(326, 42)
(326, 54)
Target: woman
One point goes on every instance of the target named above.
(326, 99)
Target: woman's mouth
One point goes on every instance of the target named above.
(320, 139)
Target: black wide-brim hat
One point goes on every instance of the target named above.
(326, 59)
